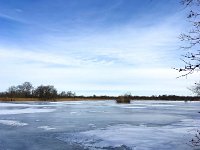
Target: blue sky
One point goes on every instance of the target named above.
(102, 47)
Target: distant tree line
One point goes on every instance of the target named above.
(49, 92)
(126, 98)
(44, 92)
(168, 97)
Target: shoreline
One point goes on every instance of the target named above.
(83, 99)
(49, 100)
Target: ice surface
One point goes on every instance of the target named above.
(134, 137)
(94, 125)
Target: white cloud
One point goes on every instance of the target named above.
(117, 80)
(156, 44)
(129, 58)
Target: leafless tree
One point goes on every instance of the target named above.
(196, 89)
(45, 92)
(191, 40)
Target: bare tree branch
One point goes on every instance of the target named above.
(191, 39)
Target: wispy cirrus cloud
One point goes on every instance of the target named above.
(129, 45)
(105, 47)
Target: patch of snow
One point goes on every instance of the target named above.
(92, 125)
(188, 122)
(135, 107)
(47, 128)
(73, 112)
(67, 103)
(162, 105)
(13, 105)
(24, 111)
(12, 123)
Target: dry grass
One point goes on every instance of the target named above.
(58, 99)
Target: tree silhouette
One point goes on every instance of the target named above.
(23, 90)
(196, 89)
(191, 40)
(45, 92)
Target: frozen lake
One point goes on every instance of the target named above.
(94, 125)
